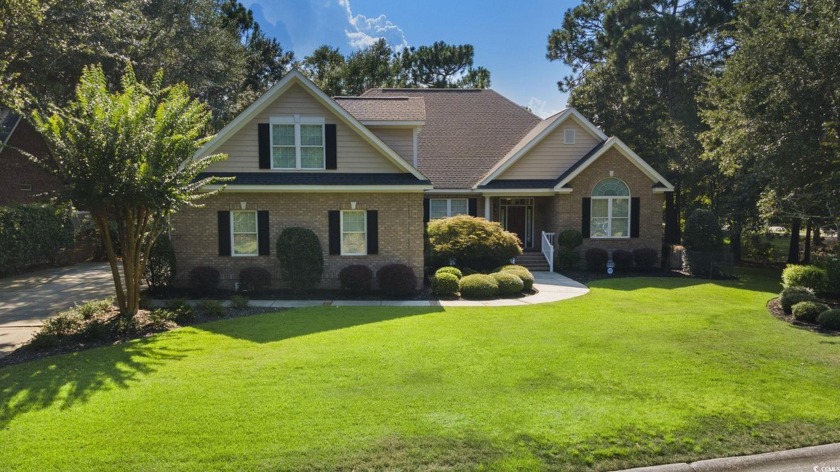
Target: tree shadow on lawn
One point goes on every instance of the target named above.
(272, 327)
(751, 280)
(70, 379)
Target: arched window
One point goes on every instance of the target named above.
(610, 212)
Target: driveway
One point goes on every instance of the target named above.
(29, 299)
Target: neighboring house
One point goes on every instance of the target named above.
(21, 180)
(365, 174)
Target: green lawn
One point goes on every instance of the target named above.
(639, 371)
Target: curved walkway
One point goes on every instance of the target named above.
(550, 287)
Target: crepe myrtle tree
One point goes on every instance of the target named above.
(127, 156)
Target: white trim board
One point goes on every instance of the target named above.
(319, 188)
(296, 77)
(625, 150)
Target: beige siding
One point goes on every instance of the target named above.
(400, 140)
(354, 153)
(551, 157)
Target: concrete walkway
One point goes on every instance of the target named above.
(551, 287)
(29, 299)
(824, 458)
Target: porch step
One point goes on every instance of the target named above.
(533, 261)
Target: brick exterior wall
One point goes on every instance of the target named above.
(567, 207)
(195, 232)
(21, 180)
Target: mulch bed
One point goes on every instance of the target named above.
(775, 309)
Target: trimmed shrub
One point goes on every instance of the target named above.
(204, 279)
(702, 232)
(830, 319)
(211, 308)
(66, 323)
(445, 283)
(808, 311)
(522, 272)
(478, 286)
(831, 265)
(570, 238)
(161, 267)
(301, 257)
(793, 295)
(472, 241)
(239, 302)
(254, 279)
(596, 259)
(468, 271)
(623, 260)
(450, 270)
(508, 282)
(161, 319)
(184, 313)
(95, 330)
(566, 257)
(396, 280)
(93, 308)
(808, 276)
(645, 258)
(32, 235)
(356, 278)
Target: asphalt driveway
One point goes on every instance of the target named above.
(29, 299)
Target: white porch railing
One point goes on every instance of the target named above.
(548, 249)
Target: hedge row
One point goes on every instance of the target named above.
(32, 235)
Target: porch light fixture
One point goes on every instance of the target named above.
(352, 205)
(611, 173)
(243, 205)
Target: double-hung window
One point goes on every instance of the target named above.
(297, 142)
(244, 239)
(610, 211)
(353, 232)
(446, 207)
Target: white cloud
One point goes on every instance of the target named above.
(365, 31)
(541, 108)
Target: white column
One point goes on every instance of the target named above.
(487, 208)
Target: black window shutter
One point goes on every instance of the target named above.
(584, 219)
(634, 217)
(264, 138)
(331, 148)
(473, 205)
(335, 232)
(224, 233)
(262, 233)
(425, 210)
(372, 232)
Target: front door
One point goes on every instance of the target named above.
(516, 222)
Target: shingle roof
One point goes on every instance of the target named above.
(467, 131)
(398, 108)
(312, 178)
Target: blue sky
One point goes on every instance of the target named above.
(510, 37)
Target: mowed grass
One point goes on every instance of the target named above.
(640, 371)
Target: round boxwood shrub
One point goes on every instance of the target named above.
(301, 257)
(160, 266)
(596, 259)
(566, 257)
(204, 279)
(468, 271)
(522, 272)
(254, 279)
(793, 295)
(472, 241)
(830, 319)
(478, 286)
(570, 238)
(508, 282)
(808, 276)
(623, 260)
(450, 270)
(356, 278)
(808, 311)
(445, 283)
(645, 258)
(396, 280)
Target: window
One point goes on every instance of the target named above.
(297, 142)
(243, 228)
(446, 207)
(610, 212)
(353, 232)
(569, 136)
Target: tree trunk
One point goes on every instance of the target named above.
(735, 241)
(793, 249)
(102, 222)
(670, 221)
(817, 237)
(677, 212)
(806, 259)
